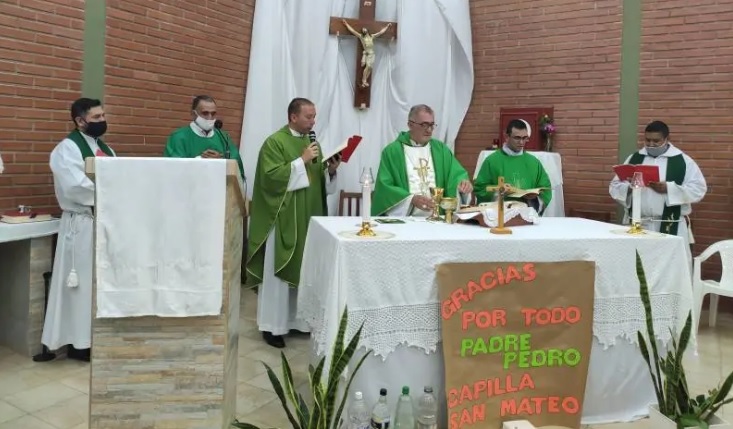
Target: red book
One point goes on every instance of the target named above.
(650, 173)
(346, 149)
(33, 216)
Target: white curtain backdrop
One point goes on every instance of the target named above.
(293, 55)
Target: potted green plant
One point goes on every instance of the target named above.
(322, 413)
(676, 408)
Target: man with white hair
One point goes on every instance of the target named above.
(414, 163)
(520, 169)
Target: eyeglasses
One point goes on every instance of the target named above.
(425, 125)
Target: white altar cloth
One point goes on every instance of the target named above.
(553, 166)
(26, 231)
(390, 286)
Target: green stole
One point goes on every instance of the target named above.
(676, 169)
(86, 151)
(392, 185)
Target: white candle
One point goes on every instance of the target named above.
(636, 204)
(366, 199)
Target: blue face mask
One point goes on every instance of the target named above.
(656, 151)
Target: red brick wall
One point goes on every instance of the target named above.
(687, 81)
(550, 53)
(159, 55)
(40, 72)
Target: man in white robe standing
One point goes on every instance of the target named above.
(290, 186)
(69, 315)
(667, 204)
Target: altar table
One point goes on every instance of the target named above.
(26, 253)
(390, 286)
(553, 166)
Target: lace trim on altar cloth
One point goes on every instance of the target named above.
(386, 328)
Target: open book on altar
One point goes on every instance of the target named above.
(650, 173)
(346, 149)
(517, 193)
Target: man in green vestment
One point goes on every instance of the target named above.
(202, 138)
(290, 186)
(521, 170)
(413, 164)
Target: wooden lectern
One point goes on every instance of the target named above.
(172, 372)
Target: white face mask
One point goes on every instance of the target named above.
(655, 151)
(205, 124)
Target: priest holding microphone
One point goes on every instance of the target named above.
(290, 186)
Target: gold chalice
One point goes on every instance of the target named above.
(437, 197)
(449, 204)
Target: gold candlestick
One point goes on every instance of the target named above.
(501, 188)
(635, 229)
(366, 230)
(437, 197)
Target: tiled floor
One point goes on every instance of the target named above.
(53, 395)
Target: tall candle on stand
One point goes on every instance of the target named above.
(367, 179)
(366, 198)
(636, 205)
(637, 182)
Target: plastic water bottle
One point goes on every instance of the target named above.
(380, 414)
(405, 415)
(358, 413)
(427, 410)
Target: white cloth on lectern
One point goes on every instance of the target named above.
(276, 300)
(160, 236)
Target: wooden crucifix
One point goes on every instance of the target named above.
(366, 29)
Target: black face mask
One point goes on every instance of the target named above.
(96, 129)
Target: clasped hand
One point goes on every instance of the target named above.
(211, 154)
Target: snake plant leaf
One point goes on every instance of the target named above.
(277, 387)
(241, 425)
(656, 381)
(305, 412)
(348, 385)
(646, 301)
(341, 363)
(687, 421)
(338, 345)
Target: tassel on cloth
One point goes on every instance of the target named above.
(73, 279)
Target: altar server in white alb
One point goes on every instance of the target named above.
(69, 315)
(667, 204)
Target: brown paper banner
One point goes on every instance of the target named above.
(516, 339)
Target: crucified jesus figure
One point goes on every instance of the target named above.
(367, 42)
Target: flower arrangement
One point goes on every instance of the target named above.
(547, 128)
(547, 125)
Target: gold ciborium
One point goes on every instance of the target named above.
(437, 194)
(449, 204)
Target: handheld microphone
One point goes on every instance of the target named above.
(312, 137)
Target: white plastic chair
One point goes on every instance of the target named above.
(715, 289)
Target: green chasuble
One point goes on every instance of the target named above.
(676, 170)
(524, 172)
(392, 186)
(289, 212)
(185, 143)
